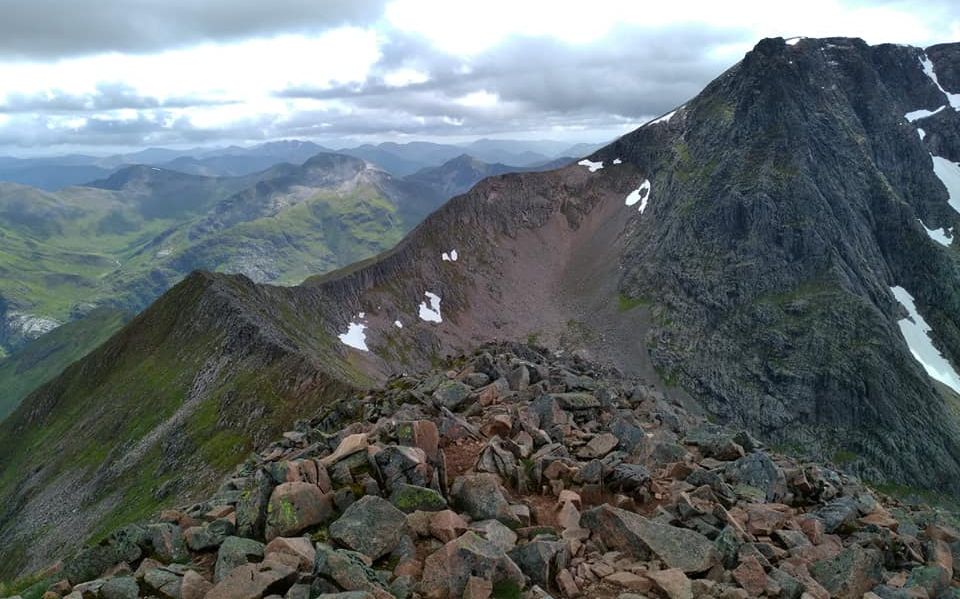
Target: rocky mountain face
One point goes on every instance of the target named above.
(516, 472)
(776, 252)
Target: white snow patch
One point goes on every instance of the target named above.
(592, 166)
(793, 41)
(617, 161)
(640, 194)
(362, 315)
(155, 168)
(450, 257)
(923, 113)
(943, 236)
(431, 313)
(916, 332)
(949, 173)
(355, 337)
(921, 133)
(398, 324)
(953, 99)
(163, 253)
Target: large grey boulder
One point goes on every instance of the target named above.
(371, 526)
(680, 548)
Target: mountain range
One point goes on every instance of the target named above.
(775, 253)
(399, 159)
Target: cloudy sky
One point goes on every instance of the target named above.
(119, 74)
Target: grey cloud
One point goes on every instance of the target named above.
(625, 77)
(108, 96)
(42, 29)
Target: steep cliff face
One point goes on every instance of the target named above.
(788, 199)
(750, 251)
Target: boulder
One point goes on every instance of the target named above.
(350, 445)
(295, 507)
(371, 526)
(194, 586)
(165, 582)
(235, 552)
(672, 582)
(851, 573)
(411, 498)
(481, 496)
(349, 571)
(759, 471)
(125, 545)
(447, 525)
(540, 559)
(168, 544)
(598, 446)
(252, 507)
(837, 514)
(398, 464)
(447, 571)
(422, 434)
(680, 548)
(495, 532)
(254, 581)
(452, 394)
(120, 587)
(298, 547)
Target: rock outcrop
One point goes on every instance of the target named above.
(713, 514)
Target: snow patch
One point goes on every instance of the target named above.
(921, 133)
(930, 71)
(362, 315)
(398, 324)
(450, 256)
(948, 173)
(617, 161)
(916, 332)
(640, 194)
(431, 313)
(355, 337)
(591, 166)
(793, 41)
(923, 113)
(943, 236)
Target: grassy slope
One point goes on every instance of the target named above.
(46, 357)
(114, 398)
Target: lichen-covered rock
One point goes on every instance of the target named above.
(411, 498)
(295, 507)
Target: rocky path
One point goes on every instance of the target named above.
(517, 473)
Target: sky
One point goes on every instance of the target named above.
(107, 75)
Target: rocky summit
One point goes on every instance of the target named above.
(521, 472)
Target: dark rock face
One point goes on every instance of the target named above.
(784, 207)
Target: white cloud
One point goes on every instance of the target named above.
(467, 28)
(220, 72)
